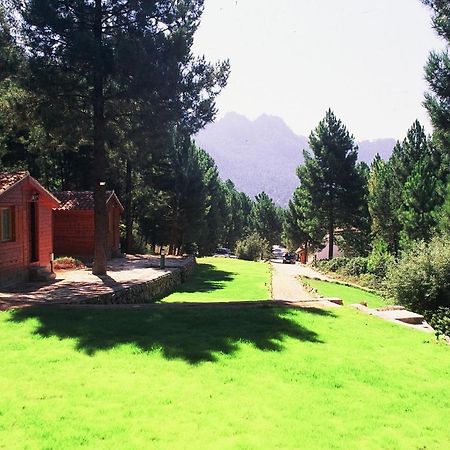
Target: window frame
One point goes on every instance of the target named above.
(11, 225)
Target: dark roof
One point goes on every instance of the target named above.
(80, 200)
(9, 179)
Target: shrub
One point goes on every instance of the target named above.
(355, 266)
(253, 248)
(67, 262)
(421, 278)
(379, 259)
(335, 264)
(440, 321)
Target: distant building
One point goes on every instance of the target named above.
(318, 255)
(73, 231)
(311, 254)
(26, 241)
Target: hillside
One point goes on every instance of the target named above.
(262, 155)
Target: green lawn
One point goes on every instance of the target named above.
(348, 294)
(219, 378)
(225, 279)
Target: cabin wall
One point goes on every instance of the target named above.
(13, 263)
(15, 255)
(45, 246)
(73, 233)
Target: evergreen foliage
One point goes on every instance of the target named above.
(383, 203)
(110, 91)
(443, 215)
(114, 78)
(253, 247)
(406, 191)
(237, 220)
(332, 187)
(265, 219)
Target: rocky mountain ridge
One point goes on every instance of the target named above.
(263, 154)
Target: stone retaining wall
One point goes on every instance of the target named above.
(147, 292)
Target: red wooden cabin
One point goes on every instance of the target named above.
(73, 224)
(26, 241)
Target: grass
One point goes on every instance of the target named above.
(219, 378)
(348, 294)
(213, 377)
(224, 279)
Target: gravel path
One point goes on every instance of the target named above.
(307, 271)
(285, 285)
(287, 288)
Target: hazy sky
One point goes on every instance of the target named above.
(296, 58)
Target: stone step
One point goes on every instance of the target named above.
(336, 300)
(403, 316)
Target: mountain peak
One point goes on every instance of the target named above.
(263, 154)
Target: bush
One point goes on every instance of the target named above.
(253, 248)
(440, 321)
(379, 259)
(335, 264)
(355, 266)
(421, 279)
(67, 262)
(320, 264)
(345, 266)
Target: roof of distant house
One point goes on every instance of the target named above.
(82, 200)
(9, 179)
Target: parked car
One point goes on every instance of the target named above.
(223, 253)
(289, 258)
(277, 253)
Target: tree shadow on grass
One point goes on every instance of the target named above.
(194, 335)
(206, 278)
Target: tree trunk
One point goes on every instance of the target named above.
(330, 222)
(128, 209)
(173, 239)
(100, 213)
(330, 238)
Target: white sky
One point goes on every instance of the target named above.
(297, 58)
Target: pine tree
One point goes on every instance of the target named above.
(417, 189)
(383, 203)
(302, 227)
(437, 73)
(406, 154)
(216, 211)
(443, 214)
(116, 58)
(265, 219)
(419, 200)
(238, 208)
(330, 177)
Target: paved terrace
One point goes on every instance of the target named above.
(78, 285)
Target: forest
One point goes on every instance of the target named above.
(106, 95)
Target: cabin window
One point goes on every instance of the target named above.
(6, 224)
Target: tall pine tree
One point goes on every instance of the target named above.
(265, 218)
(108, 58)
(331, 178)
(383, 202)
